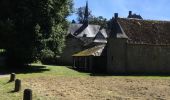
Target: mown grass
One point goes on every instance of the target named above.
(50, 70)
(37, 70)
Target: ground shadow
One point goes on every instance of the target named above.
(13, 91)
(133, 74)
(78, 70)
(104, 73)
(23, 69)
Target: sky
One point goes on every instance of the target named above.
(148, 9)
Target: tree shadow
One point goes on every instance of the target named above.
(13, 91)
(23, 69)
(78, 70)
(133, 74)
(105, 74)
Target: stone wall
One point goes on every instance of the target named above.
(142, 58)
(73, 46)
(123, 57)
(116, 55)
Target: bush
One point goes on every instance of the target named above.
(47, 56)
(2, 52)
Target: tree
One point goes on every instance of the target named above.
(81, 14)
(91, 18)
(53, 26)
(99, 21)
(37, 25)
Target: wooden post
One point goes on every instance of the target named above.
(12, 77)
(17, 85)
(27, 94)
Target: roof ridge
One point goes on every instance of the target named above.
(145, 20)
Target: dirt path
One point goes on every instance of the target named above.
(100, 88)
(3, 76)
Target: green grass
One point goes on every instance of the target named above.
(37, 70)
(45, 71)
(53, 71)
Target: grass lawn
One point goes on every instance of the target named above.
(63, 83)
(36, 72)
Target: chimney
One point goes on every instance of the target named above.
(116, 15)
(130, 13)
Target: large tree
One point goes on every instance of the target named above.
(37, 26)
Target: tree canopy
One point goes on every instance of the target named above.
(100, 20)
(30, 28)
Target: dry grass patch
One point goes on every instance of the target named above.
(99, 88)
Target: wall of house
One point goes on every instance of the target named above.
(123, 57)
(148, 58)
(116, 55)
(73, 46)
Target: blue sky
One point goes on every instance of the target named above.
(148, 9)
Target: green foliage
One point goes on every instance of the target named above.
(81, 12)
(30, 26)
(92, 19)
(6, 32)
(2, 50)
(47, 56)
(99, 21)
(53, 24)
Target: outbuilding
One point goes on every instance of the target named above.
(91, 60)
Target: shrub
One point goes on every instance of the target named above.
(47, 56)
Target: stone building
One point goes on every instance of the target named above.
(134, 46)
(139, 46)
(81, 37)
(91, 60)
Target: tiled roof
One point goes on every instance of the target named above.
(86, 40)
(80, 30)
(95, 51)
(100, 38)
(146, 31)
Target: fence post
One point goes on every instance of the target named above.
(17, 85)
(12, 77)
(27, 94)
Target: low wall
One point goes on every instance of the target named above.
(144, 58)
